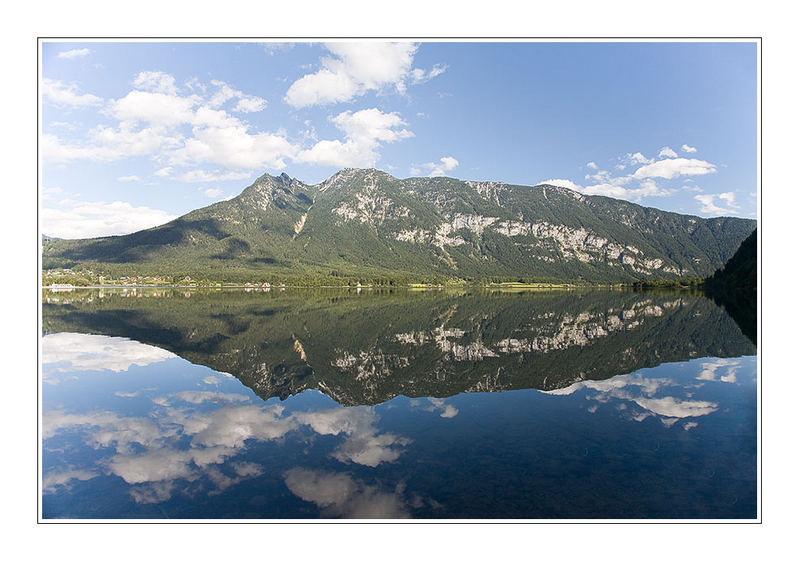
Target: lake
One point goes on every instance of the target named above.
(301, 404)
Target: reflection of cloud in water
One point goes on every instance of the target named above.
(166, 463)
(200, 396)
(107, 429)
(152, 453)
(636, 397)
(436, 404)
(87, 352)
(339, 495)
(730, 366)
(670, 406)
(363, 444)
(231, 427)
(54, 480)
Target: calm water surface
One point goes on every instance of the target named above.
(303, 404)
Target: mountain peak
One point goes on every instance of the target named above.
(347, 174)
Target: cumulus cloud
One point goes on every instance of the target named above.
(436, 169)
(613, 187)
(363, 444)
(55, 480)
(667, 152)
(200, 396)
(687, 148)
(640, 397)
(356, 68)
(182, 439)
(418, 75)
(91, 219)
(674, 167)
(672, 407)
(155, 81)
(67, 352)
(212, 192)
(647, 188)
(339, 495)
(245, 103)
(729, 366)
(66, 95)
(445, 410)
(591, 165)
(194, 127)
(153, 118)
(636, 158)
(73, 53)
(569, 184)
(107, 429)
(709, 206)
(364, 132)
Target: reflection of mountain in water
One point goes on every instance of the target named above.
(366, 349)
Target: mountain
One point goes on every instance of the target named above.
(741, 271)
(368, 348)
(734, 287)
(370, 225)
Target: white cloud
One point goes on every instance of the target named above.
(49, 193)
(364, 131)
(90, 352)
(66, 95)
(591, 165)
(129, 178)
(182, 130)
(687, 148)
(672, 407)
(200, 396)
(709, 372)
(155, 81)
(647, 188)
(73, 53)
(250, 104)
(201, 176)
(363, 444)
(107, 429)
(234, 146)
(562, 183)
(53, 480)
(231, 427)
(637, 158)
(245, 104)
(667, 152)
(355, 69)
(339, 495)
(157, 109)
(418, 75)
(92, 219)
(212, 193)
(708, 206)
(447, 410)
(674, 167)
(445, 164)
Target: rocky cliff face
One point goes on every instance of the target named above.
(369, 222)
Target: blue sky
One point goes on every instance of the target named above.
(136, 133)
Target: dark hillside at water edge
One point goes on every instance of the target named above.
(735, 286)
(368, 224)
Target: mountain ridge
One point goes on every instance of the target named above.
(367, 223)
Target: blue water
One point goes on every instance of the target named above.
(133, 430)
